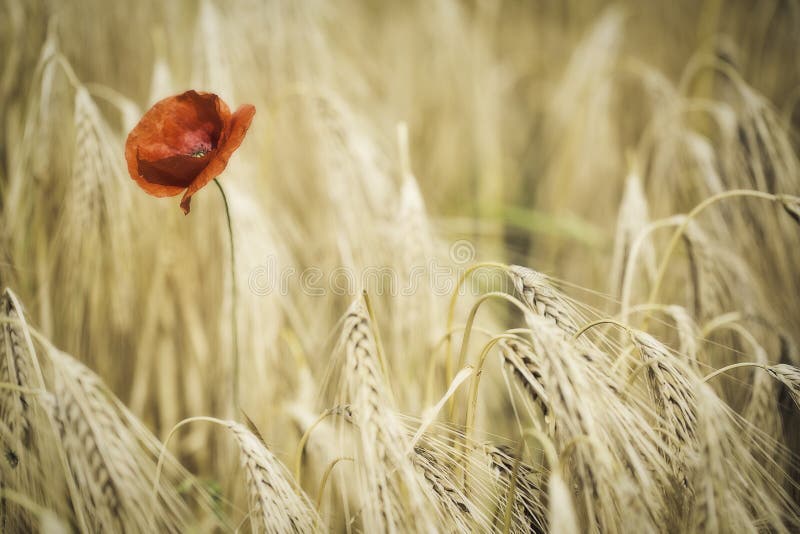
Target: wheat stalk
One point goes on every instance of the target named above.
(672, 391)
(385, 471)
(112, 471)
(597, 433)
(529, 506)
(633, 213)
(323, 187)
(276, 506)
(733, 485)
(19, 372)
(453, 504)
(541, 298)
(518, 357)
(789, 376)
(15, 368)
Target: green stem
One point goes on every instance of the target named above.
(234, 322)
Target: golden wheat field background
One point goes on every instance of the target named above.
(499, 266)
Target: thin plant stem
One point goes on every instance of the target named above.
(591, 325)
(451, 312)
(327, 475)
(163, 453)
(472, 398)
(462, 356)
(731, 367)
(638, 371)
(630, 264)
(512, 490)
(234, 322)
(298, 455)
(430, 414)
(548, 449)
(429, 387)
(676, 236)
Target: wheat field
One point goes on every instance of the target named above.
(498, 266)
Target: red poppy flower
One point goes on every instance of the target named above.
(183, 142)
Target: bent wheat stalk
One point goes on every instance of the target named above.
(785, 200)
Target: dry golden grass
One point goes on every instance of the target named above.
(572, 232)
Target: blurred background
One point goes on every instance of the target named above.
(545, 134)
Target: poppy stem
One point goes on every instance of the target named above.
(234, 322)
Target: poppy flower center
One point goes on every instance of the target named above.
(197, 143)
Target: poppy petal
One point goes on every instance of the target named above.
(161, 150)
(154, 189)
(177, 171)
(181, 125)
(183, 142)
(231, 138)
